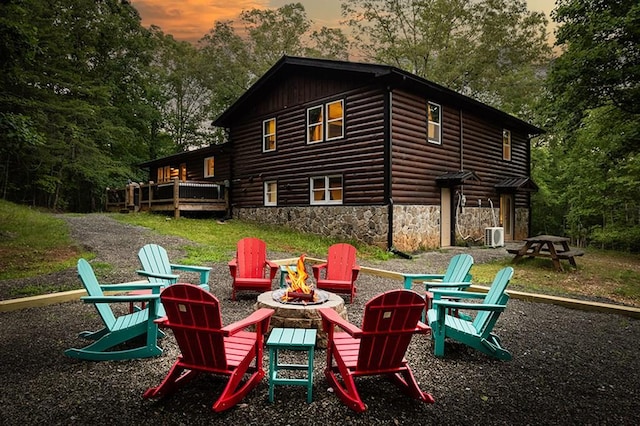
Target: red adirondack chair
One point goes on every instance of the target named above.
(340, 270)
(250, 269)
(378, 348)
(207, 347)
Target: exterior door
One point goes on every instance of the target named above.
(445, 217)
(507, 215)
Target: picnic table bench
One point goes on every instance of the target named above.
(551, 246)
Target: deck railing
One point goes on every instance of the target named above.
(173, 196)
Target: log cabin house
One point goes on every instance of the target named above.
(373, 153)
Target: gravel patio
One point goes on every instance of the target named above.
(568, 367)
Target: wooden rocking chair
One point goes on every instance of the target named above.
(340, 270)
(478, 332)
(250, 269)
(123, 329)
(207, 347)
(378, 348)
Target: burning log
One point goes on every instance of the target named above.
(298, 288)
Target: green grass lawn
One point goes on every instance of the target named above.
(34, 243)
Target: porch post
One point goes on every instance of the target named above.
(176, 198)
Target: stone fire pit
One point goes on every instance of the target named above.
(289, 315)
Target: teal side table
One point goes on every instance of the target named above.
(292, 339)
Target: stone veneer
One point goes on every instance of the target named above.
(415, 227)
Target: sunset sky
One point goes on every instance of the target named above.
(191, 19)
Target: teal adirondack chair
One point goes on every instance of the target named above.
(157, 268)
(456, 277)
(476, 333)
(119, 330)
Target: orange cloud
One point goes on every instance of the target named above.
(190, 20)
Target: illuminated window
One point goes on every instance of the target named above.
(183, 172)
(506, 145)
(269, 135)
(434, 118)
(335, 120)
(271, 193)
(209, 170)
(314, 124)
(326, 190)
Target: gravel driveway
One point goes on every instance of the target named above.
(568, 367)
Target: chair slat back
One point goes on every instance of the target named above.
(389, 321)
(194, 316)
(495, 296)
(341, 258)
(154, 258)
(90, 282)
(252, 256)
(458, 269)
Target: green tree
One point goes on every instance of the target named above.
(491, 50)
(237, 55)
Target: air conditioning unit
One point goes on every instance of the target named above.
(494, 237)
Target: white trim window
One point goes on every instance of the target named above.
(506, 144)
(326, 190)
(325, 122)
(271, 193)
(335, 120)
(269, 135)
(209, 167)
(434, 123)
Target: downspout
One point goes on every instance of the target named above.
(388, 196)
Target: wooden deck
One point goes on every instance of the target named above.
(175, 196)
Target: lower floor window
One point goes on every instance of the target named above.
(271, 193)
(326, 190)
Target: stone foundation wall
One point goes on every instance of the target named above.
(369, 224)
(415, 227)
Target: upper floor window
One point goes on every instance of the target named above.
(209, 169)
(506, 144)
(434, 118)
(326, 190)
(269, 135)
(325, 122)
(271, 193)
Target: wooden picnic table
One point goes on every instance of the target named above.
(550, 246)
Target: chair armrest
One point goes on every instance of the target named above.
(273, 268)
(155, 287)
(261, 317)
(438, 293)
(423, 328)
(125, 298)
(330, 318)
(190, 268)
(170, 277)
(445, 285)
(443, 304)
(410, 278)
(355, 272)
(317, 268)
(233, 266)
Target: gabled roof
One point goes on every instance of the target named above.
(450, 179)
(513, 184)
(386, 74)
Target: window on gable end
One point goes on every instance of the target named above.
(314, 124)
(434, 119)
(506, 145)
(335, 120)
(269, 135)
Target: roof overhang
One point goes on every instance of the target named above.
(514, 184)
(450, 179)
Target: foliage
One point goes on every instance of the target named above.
(589, 165)
(237, 54)
(490, 50)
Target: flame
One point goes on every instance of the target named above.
(298, 279)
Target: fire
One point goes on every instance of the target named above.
(298, 286)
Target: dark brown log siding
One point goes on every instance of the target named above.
(358, 157)
(416, 162)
